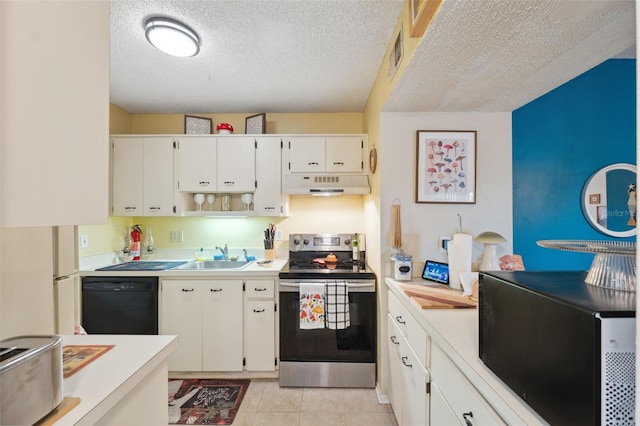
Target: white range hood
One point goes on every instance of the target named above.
(326, 185)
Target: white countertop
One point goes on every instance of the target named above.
(101, 384)
(456, 331)
(252, 270)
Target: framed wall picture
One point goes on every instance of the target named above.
(421, 12)
(446, 166)
(255, 124)
(197, 125)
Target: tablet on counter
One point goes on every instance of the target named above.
(436, 271)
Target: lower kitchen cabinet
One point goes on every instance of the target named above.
(460, 399)
(222, 324)
(207, 317)
(435, 375)
(409, 390)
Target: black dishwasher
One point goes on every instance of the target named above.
(120, 305)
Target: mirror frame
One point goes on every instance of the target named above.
(584, 199)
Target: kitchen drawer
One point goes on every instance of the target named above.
(260, 289)
(460, 395)
(409, 327)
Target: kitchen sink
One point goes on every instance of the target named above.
(199, 265)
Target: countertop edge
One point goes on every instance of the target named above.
(453, 330)
(96, 400)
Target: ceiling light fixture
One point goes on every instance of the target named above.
(172, 37)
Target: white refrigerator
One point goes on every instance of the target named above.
(66, 281)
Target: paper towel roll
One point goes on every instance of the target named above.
(459, 250)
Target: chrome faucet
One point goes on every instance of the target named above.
(224, 251)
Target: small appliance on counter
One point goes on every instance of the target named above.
(565, 347)
(30, 378)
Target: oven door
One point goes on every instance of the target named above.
(354, 344)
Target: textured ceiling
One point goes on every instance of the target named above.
(497, 55)
(323, 55)
(256, 56)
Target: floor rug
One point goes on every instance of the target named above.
(205, 401)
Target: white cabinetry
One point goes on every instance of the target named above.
(260, 320)
(209, 164)
(197, 164)
(54, 166)
(459, 398)
(268, 199)
(207, 316)
(236, 164)
(330, 154)
(143, 178)
(408, 347)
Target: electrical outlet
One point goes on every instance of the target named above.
(279, 235)
(84, 241)
(443, 243)
(177, 236)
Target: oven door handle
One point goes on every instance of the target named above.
(350, 285)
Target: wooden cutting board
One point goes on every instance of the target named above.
(65, 406)
(438, 297)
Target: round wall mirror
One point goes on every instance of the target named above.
(609, 200)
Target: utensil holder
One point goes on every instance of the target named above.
(270, 254)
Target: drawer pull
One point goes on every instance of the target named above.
(187, 289)
(216, 289)
(400, 320)
(404, 361)
(229, 182)
(338, 163)
(258, 311)
(204, 182)
(260, 289)
(129, 208)
(312, 164)
(466, 416)
(154, 208)
(394, 340)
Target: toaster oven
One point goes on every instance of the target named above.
(30, 378)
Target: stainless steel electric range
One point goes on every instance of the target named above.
(325, 357)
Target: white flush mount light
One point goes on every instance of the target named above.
(172, 37)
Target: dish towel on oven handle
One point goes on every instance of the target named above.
(312, 314)
(337, 305)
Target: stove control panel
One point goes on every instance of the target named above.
(320, 242)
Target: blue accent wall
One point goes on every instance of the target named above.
(559, 141)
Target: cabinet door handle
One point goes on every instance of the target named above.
(394, 340)
(258, 311)
(338, 163)
(204, 182)
(187, 289)
(400, 320)
(260, 289)
(312, 164)
(404, 361)
(466, 416)
(215, 289)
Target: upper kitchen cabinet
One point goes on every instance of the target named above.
(236, 164)
(330, 154)
(209, 164)
(143, 178)
(54, 113)
(268, 199)
(197, 164)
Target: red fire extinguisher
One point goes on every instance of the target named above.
(136, 235)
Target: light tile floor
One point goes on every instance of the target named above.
(267, 404)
